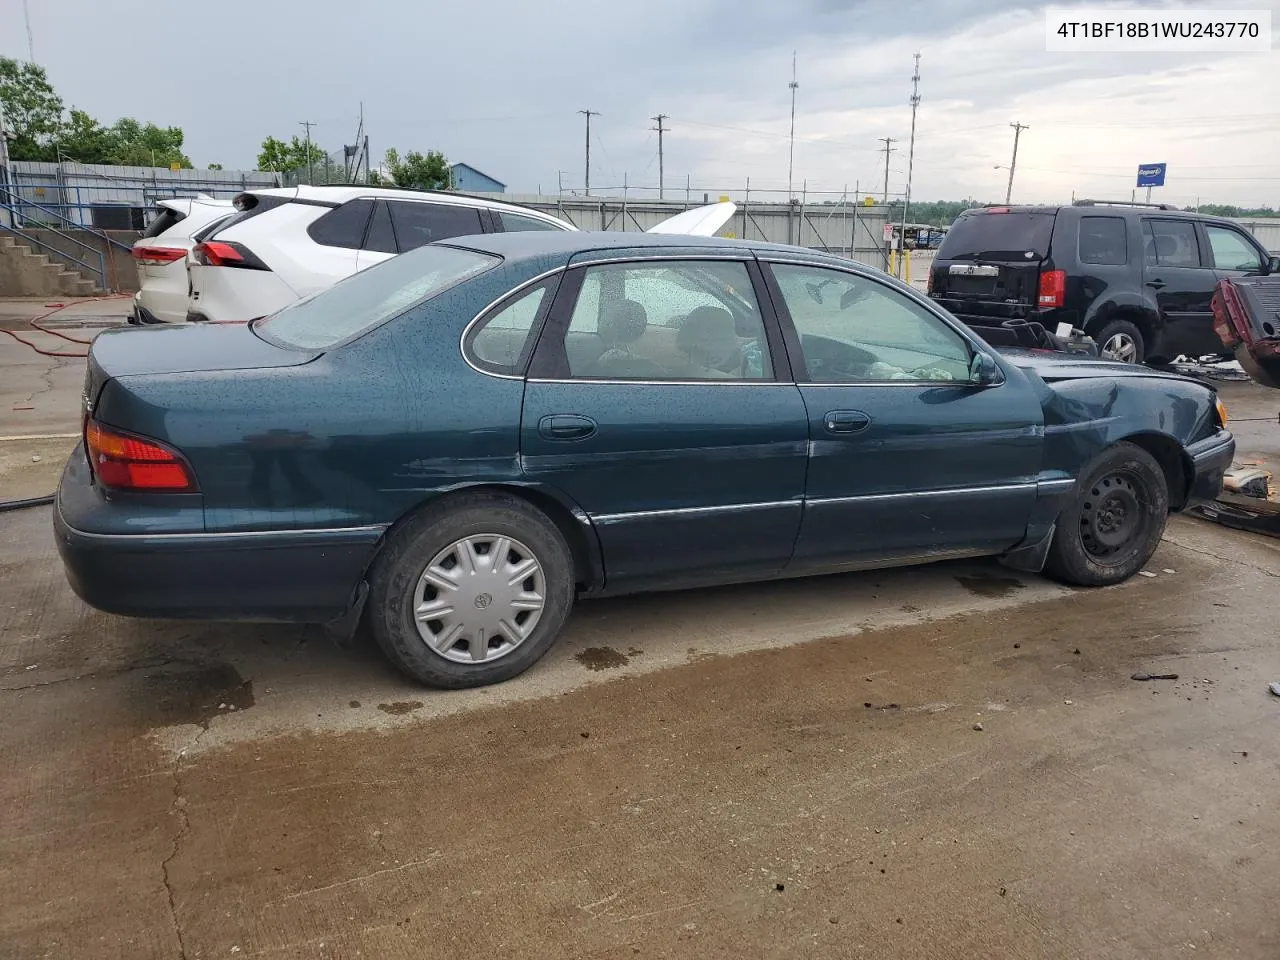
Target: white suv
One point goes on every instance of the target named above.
(161, 254)
(284, 244)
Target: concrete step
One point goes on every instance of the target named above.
(25, 272)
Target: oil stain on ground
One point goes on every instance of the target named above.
(601, 658)
(988, 586)
(400, 707)
(193, 694)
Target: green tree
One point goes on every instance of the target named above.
(214, 166)
(146, 145)
(276, 156)
(85, 140)
(429, 171)
(32, 110)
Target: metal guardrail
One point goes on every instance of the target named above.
(100, 270)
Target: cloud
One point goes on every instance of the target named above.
(499, 85)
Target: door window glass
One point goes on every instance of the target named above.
(852, 328)
(687, 320)
(1231, 251)
(418, 224)
(1170, 243)
(515, 223)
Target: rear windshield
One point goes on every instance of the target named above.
(998, 236)
(363, 301)
(165, 218)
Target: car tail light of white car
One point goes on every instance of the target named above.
(158, 256)
(223, 253)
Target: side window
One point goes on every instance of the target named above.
(380, 238)
(501, 342)
(1103, 241)
(515, 223)
(1231, 251)
(418, 224)
(684, 320)
(1170, 243)
(342, 226)
(855, 329)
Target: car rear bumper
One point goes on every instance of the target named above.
(1210, 459)
(308, 576)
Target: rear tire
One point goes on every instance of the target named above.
(1114, 520)
(450, 614)
(1121, 340)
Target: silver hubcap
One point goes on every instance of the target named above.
(479, 598)
(1120, 346)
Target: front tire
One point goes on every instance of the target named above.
(1114, 521)
(472, 591)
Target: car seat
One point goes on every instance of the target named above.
(621, 324)
(709, 340)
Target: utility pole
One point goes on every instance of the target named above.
(1017, 132)
(589, 114)
(310, 173)
(888, 149)
(791, 163)
(661, 130)
(911, 152)
(31, 44)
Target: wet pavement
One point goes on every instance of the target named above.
(941, 762)
(779, 770)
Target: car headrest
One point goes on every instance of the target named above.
(622, 322)
(708, 336)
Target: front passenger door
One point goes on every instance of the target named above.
(1175, 272)
(907, 458)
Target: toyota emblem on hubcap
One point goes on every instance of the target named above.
(483, 601)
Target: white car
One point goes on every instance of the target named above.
(288, 243)
(285, 244)
(161, 256)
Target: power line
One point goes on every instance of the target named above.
(659, 118)
(587, 184)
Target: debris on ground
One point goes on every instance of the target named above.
(978, 726)
(1154, 676)
(1274, 688)
(1146, 573)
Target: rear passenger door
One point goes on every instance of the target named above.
(660, 401)
(1182, 281)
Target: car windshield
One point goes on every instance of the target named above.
(998, 236)
(363, 301)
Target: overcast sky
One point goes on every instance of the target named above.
(498, 83)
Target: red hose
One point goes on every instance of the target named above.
(34, 323)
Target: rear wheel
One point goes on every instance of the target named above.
(1114, 521)
(471, 592)
(1121, 340)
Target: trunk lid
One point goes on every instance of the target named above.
(191, 348)
(990, 262)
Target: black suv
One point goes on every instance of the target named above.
(1138, 278)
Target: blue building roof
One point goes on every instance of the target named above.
(481, 173)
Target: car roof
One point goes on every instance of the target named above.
(1095, 207)
(569, 244)
(341, 194)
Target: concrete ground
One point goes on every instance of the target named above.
(942, 762)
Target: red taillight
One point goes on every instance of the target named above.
(158, 255)
(125, 462)
(1053, 288)
(223, 253)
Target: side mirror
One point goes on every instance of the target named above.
(1273, 266)
(984, 371)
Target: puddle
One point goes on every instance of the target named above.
(987, 586)
(193, 695)
(601, 658)
(400, 707)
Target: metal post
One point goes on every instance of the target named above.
(888, 149)
(794, 87)
(624, 201)
(911, 150)
(587, 178)
(688, 186)
(746, 201)
(853, 239)
(310, 166)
